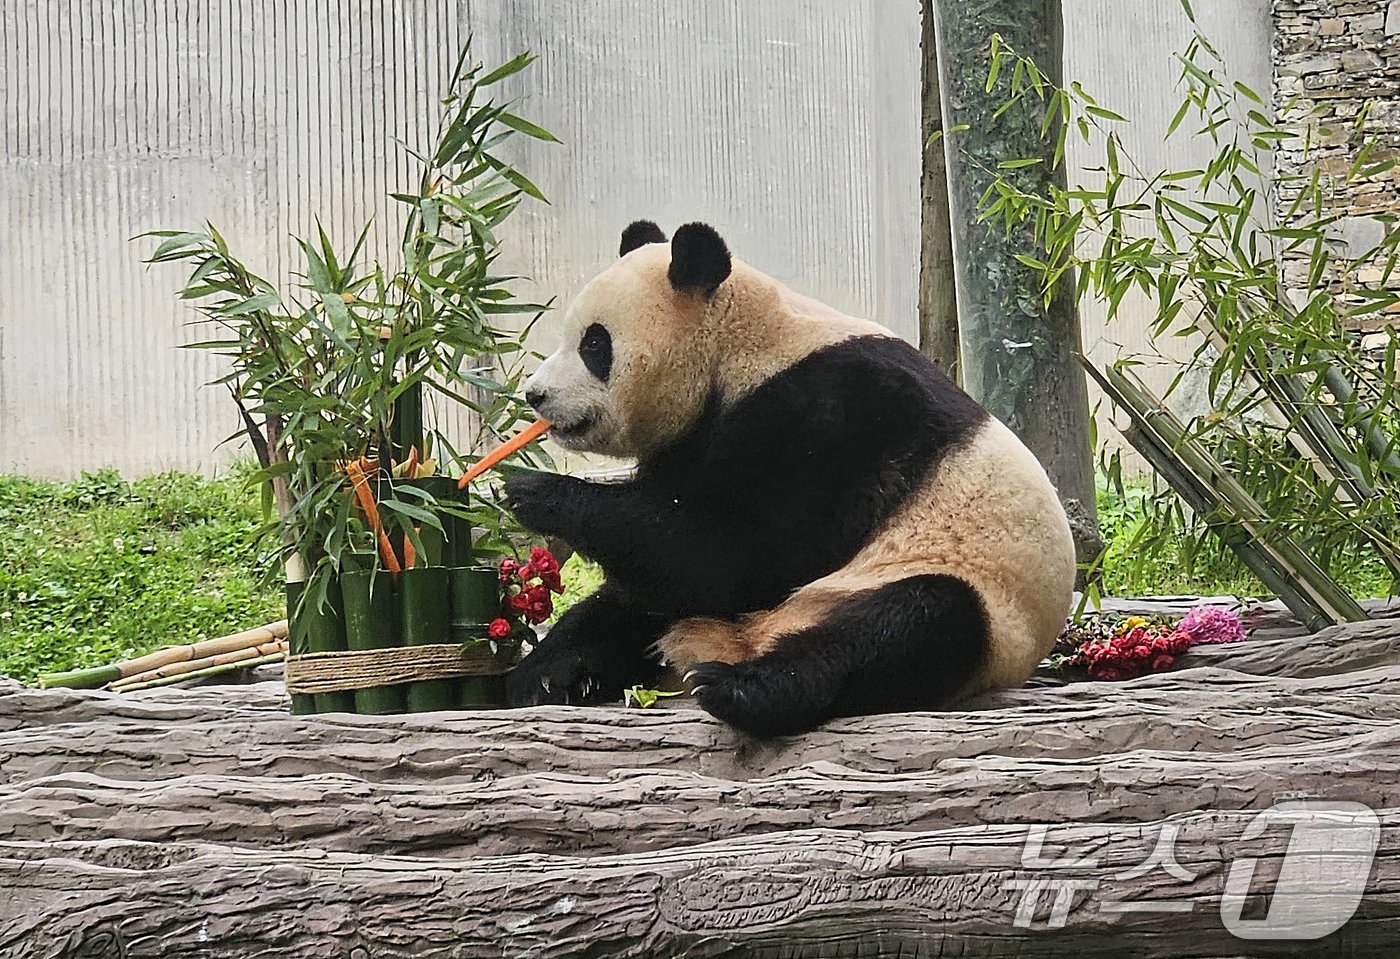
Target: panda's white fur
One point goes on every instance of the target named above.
(672, 348)
(986, 513)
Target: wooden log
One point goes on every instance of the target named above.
(1332, 651)
(1207, 710)
(209, 822)
(798, 893)
(635, 810)
(1279, 651)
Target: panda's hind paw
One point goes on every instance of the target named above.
(752, 698)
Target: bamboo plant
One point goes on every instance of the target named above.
(1304, 418)
(321, 373)
(338, 381)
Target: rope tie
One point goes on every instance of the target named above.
(366, 668)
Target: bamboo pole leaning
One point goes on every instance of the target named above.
(1212, 493)
(99, 676)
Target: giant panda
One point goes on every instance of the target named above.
(820, 523)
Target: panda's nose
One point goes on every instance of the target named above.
(535, 397)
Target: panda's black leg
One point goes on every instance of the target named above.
(596, 650)
(911, 644)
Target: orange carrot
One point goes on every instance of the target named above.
(513, 445)
(371, 511)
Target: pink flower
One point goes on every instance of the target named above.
(1212, 624)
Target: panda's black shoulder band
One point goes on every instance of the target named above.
(640, 233)
(699, 259)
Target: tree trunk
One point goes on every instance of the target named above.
(209, 823)
(938, 300)
(1017, 352)
(819, 892)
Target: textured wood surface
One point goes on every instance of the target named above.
(208, 822)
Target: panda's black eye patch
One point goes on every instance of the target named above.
(596, 351)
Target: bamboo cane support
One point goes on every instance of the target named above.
(194, 665)
(103, 675)
(218, 670)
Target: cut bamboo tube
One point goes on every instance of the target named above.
(210, 671)
(189, 666)
(102, 675)
(425, 611)
(372, 622)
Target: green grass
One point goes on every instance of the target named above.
(99, 569)
(1193, 561)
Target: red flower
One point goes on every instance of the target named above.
(539, 606)
(499, 629)
(543, 560)
(519, 602)
(527, 572)
(509, 568)
(539, 612)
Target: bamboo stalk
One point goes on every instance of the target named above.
(193, 665)
(102, 675)
(210, 671)
(1237, 518)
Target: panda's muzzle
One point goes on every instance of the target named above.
(576, 428)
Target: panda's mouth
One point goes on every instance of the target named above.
(578, 427)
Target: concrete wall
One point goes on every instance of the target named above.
(787, 127)
(1125, 54)
(792, 127)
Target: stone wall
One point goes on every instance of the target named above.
(1332, 60)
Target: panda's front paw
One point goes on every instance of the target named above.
(549, 677)
(544, 502)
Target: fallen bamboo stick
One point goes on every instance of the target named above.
(193, 665)
(102, 675)
(210, 671)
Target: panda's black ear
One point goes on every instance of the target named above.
(638, 234)
(699, 259)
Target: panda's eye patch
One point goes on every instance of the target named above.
(596, 351)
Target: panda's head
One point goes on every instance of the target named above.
(635, 364)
